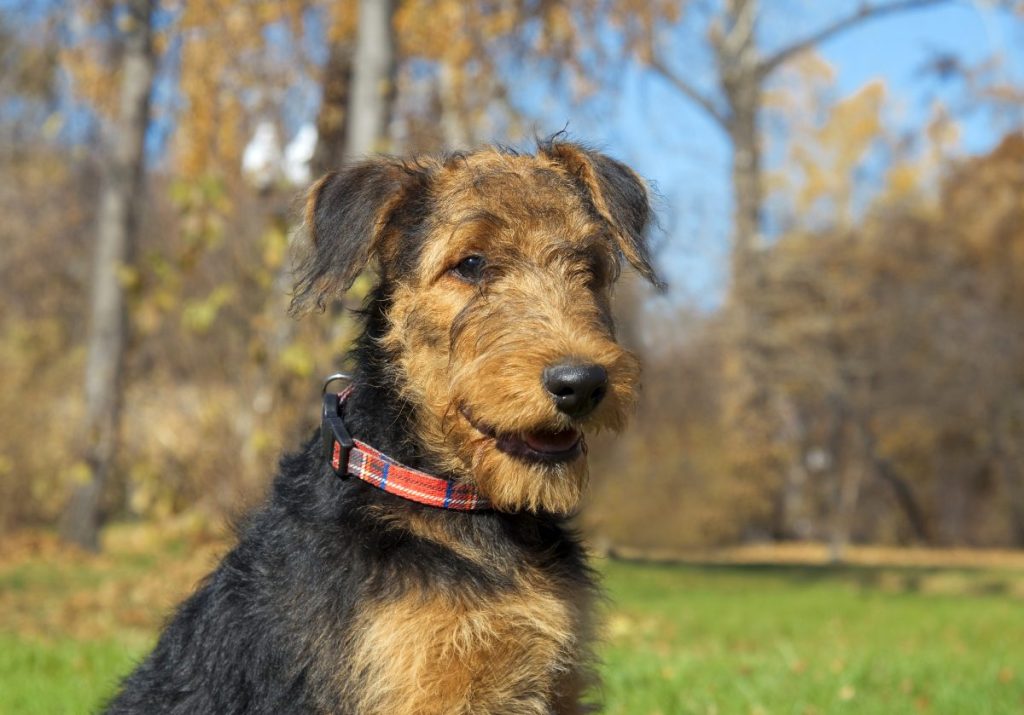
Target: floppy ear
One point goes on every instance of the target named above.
(618, 195)
(349, 214)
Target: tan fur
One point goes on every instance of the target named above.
(433, 527)
(580, 164)
(452, 654)
(470, 359)
(546, 306)
(312, 197)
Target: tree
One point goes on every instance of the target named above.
(736, 106)
(115, 237)
(734, 101)
(896, 340)
(373, 63)
(332, 119)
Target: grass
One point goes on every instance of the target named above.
(60, 676)
(679, 639)
(806, 640)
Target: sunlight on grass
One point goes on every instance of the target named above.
(64, 676)
(802, 640)
(678, 639)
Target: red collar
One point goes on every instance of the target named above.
(348, 456)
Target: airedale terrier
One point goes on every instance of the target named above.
(415, 557)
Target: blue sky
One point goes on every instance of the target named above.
(686, 156)
(651, 127)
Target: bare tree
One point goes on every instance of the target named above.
(455, 131)
(741, 73)
(373, 64)
(332, 119)
(122, 195)
(735, 104)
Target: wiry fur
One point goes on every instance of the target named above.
(341, 598)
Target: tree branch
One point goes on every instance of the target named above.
(720, 117)
(864, 12)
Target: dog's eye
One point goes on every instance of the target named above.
(470, 268)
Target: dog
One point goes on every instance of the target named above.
(415, 556)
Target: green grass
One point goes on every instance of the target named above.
(686, 639)
(803, 640)
(62, 676)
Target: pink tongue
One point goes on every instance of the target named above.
(552, 441)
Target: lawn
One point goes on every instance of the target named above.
(811, 640)
(679, 639)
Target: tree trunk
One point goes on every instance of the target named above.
(755, 416)
(737, 57)
(836, 530)
(792, 520)
(745, 312)
(905, 498)
(373, 79)
(332, 119)
(847, 487)
(738, 62)
(120, 201)
(454, 131)
(908, 503)
(1008, 461)
(1013, 480)
(747, 192)
(850, 478)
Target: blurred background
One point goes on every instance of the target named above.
(835, 375)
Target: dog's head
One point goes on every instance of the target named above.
(498, 270)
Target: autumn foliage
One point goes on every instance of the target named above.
(890, 403)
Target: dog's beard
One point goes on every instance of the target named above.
(486, 419)
(512, 483)
(541, 467)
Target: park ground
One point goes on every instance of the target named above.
(746, 632)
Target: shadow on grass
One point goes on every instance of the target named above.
(930, 579)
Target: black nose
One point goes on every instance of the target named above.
(576, 389)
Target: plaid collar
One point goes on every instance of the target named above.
(348, 456)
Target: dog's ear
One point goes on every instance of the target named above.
(350, 215)
(618, 195)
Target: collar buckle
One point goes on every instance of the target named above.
(338, 443)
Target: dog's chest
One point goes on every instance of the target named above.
(521, 649)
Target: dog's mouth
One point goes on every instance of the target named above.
(539, 445)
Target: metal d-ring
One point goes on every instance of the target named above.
(332, 378)
(337, 441)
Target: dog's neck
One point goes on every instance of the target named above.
(376, 412)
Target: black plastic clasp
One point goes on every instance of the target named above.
(333, 431)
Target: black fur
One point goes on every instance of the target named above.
(351, 215)
(266, 631)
